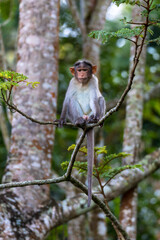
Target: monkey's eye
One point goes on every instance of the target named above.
(84, 70)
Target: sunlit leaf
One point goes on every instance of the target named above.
(72, 147)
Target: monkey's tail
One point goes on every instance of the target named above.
(90, 158)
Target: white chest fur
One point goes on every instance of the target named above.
(83, 98)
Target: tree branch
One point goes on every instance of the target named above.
(138, 51)
(74, 154)
(58, 214)
(127, 179)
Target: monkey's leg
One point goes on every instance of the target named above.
(90, 158)
(75, 113)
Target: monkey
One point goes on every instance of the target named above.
(84, 104)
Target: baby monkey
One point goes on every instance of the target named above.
(84, 104)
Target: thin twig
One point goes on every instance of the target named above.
(34, 182)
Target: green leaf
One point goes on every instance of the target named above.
(114, 171)
(80, 166)
(64, 165)
(34, 84)
(156, 40)
(124, 20)
(144, 13)
(83, 149)
(100, 150)
(12, 76)
(150, 31)
(126, 33)
(103, 165)
(131, 2)
(72, 147)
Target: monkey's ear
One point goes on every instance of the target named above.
(72, 70)
(94, 69)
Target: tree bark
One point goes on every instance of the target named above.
(132, 137)
(31, 144)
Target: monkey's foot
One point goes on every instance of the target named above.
(61, 122)
(92, 119)
(80, 122)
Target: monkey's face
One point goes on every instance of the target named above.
(83, 74)
(83, 71)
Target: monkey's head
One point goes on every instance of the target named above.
(83, 71)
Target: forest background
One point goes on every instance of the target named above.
(113, 60)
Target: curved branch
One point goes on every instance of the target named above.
(127, 179)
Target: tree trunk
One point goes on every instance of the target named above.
(132, 138)
(98, 226)
(31, 144)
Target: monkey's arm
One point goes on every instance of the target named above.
(63, 116)
(64, 112)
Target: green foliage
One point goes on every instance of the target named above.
(33, 84)
(131, 2)
(9, 79)
(156, 40)
(126, 33)
(103, 165)
(100, 150)
(150, 31)
(111, 173)
(80, 166)
(82, 149)
(103, 169)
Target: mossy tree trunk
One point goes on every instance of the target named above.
(31, 144)
(132, 137)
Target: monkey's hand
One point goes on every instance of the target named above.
(61, 122)
(80, 122)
